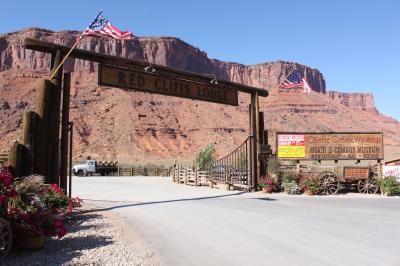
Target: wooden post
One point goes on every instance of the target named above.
(263, 165)
(53, 162)
(298, 172)
(18, 160)
(250, 149)
(379, 165)
(29, 121)
(42, 128)
(254, 144)
(28, 129)
(64, 131)
(71, 130)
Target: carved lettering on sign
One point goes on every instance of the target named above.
(161, 84)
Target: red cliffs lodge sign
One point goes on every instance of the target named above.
(330, 146)
(151, 82)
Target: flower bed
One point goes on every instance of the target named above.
(32, 208)
(268, 184)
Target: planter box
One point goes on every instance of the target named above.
(30, 242)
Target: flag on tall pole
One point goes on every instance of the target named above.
(102, 27)
(99, 27)
(295, 80)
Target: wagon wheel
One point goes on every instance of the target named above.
(367, 186)
(329, 183)
(5, 238)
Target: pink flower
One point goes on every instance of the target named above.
(24, 216)
(12, 193)
(2, 199)
(56, 188)
(6, 177)
(59, 229)
(69, 208)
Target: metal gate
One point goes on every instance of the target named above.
(234, 168)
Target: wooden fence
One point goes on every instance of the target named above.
(188, 175)
(143, 171)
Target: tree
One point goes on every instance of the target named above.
(205, 157)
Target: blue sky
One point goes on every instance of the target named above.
(354, 43)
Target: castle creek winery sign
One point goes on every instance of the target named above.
(330, 146)
(153, 83)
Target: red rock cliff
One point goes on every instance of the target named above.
(130, 126)
(167, 51)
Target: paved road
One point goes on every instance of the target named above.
(202, 226)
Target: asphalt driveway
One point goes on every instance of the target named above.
(201, 226)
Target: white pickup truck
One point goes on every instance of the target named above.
(94, 167)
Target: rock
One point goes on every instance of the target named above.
(179, 127)
(356, 101)
(167, 51)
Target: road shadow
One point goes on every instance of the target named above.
(265, 199)
(156, 202)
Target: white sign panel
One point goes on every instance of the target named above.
(392, 171)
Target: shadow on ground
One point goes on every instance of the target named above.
(155, 202)
(62, 251)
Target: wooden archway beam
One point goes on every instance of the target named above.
(48, 47)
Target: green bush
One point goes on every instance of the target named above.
(290, 187)
(205, 157)
(310, 185)
(390, 186)
(289, 176)
(290, 183)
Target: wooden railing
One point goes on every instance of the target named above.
(189, 175)
(143, 171)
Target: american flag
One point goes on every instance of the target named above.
(295, 80)
(101, 26)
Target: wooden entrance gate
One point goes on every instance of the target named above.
(129, 74)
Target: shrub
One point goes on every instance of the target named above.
(27, 213)
(268, 184)
(390, 186)
(31, 206)
(290, 187)
(205, 157)
(290, 183)
(310, 185)
(290, 176)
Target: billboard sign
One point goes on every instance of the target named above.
(329, 146)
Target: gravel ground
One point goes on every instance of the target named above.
(94, 238)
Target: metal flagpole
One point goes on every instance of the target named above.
(72, 48)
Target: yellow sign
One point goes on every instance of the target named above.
(291, 152)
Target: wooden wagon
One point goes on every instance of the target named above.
(332, 178)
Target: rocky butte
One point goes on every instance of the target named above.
(131, 126)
